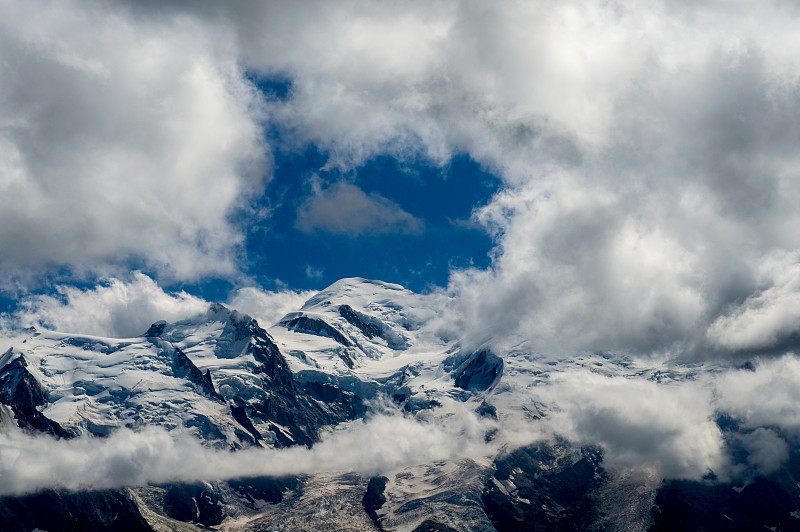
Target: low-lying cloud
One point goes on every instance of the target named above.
(668, 427)
(126, 307)
(152, 455)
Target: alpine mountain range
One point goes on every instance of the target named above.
(358, 357)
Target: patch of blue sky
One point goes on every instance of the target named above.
(441, 198)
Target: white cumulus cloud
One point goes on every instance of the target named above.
(116, 308)
(121, 138)
(267, 307)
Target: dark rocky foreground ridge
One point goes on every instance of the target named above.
(251, 396)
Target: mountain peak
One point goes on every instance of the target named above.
(356, 292)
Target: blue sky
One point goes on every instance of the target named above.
(279, 255)
(442, 198)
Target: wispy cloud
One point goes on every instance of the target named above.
(152, 455)
(345, 209)
(267, 307)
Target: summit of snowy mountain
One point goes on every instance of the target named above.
(365, 335)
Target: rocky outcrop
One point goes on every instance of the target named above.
(22, 392)
(30, 419)
(479, 372)
(374, 498)
(360, 321)
(299, 414)
(18, 386)
(310, 325)
(72, 511)
(544, 487)
(184, 367)
(281, 412)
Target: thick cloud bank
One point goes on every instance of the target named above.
(153, 455)
(121, 138)
(648, 150)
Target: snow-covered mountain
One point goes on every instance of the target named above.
(219, 377)
(351, 349)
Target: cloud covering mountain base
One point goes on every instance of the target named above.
(152, 455)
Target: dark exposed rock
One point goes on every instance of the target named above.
(156, 329)
(316, 326)
(342, 403)
(360, 322)
(374, 498)
(479, 372)
(703, 506)
(429, 525)
(418, 402)
(239, 414)
(348, 361)
(193, 503)
(268, 489)
(22, 392)
(486, 410)
(18, 386)
(94, 511)
(184, 367)
(544, 487)
(288, 404)
(28, 418)
(238, 328)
